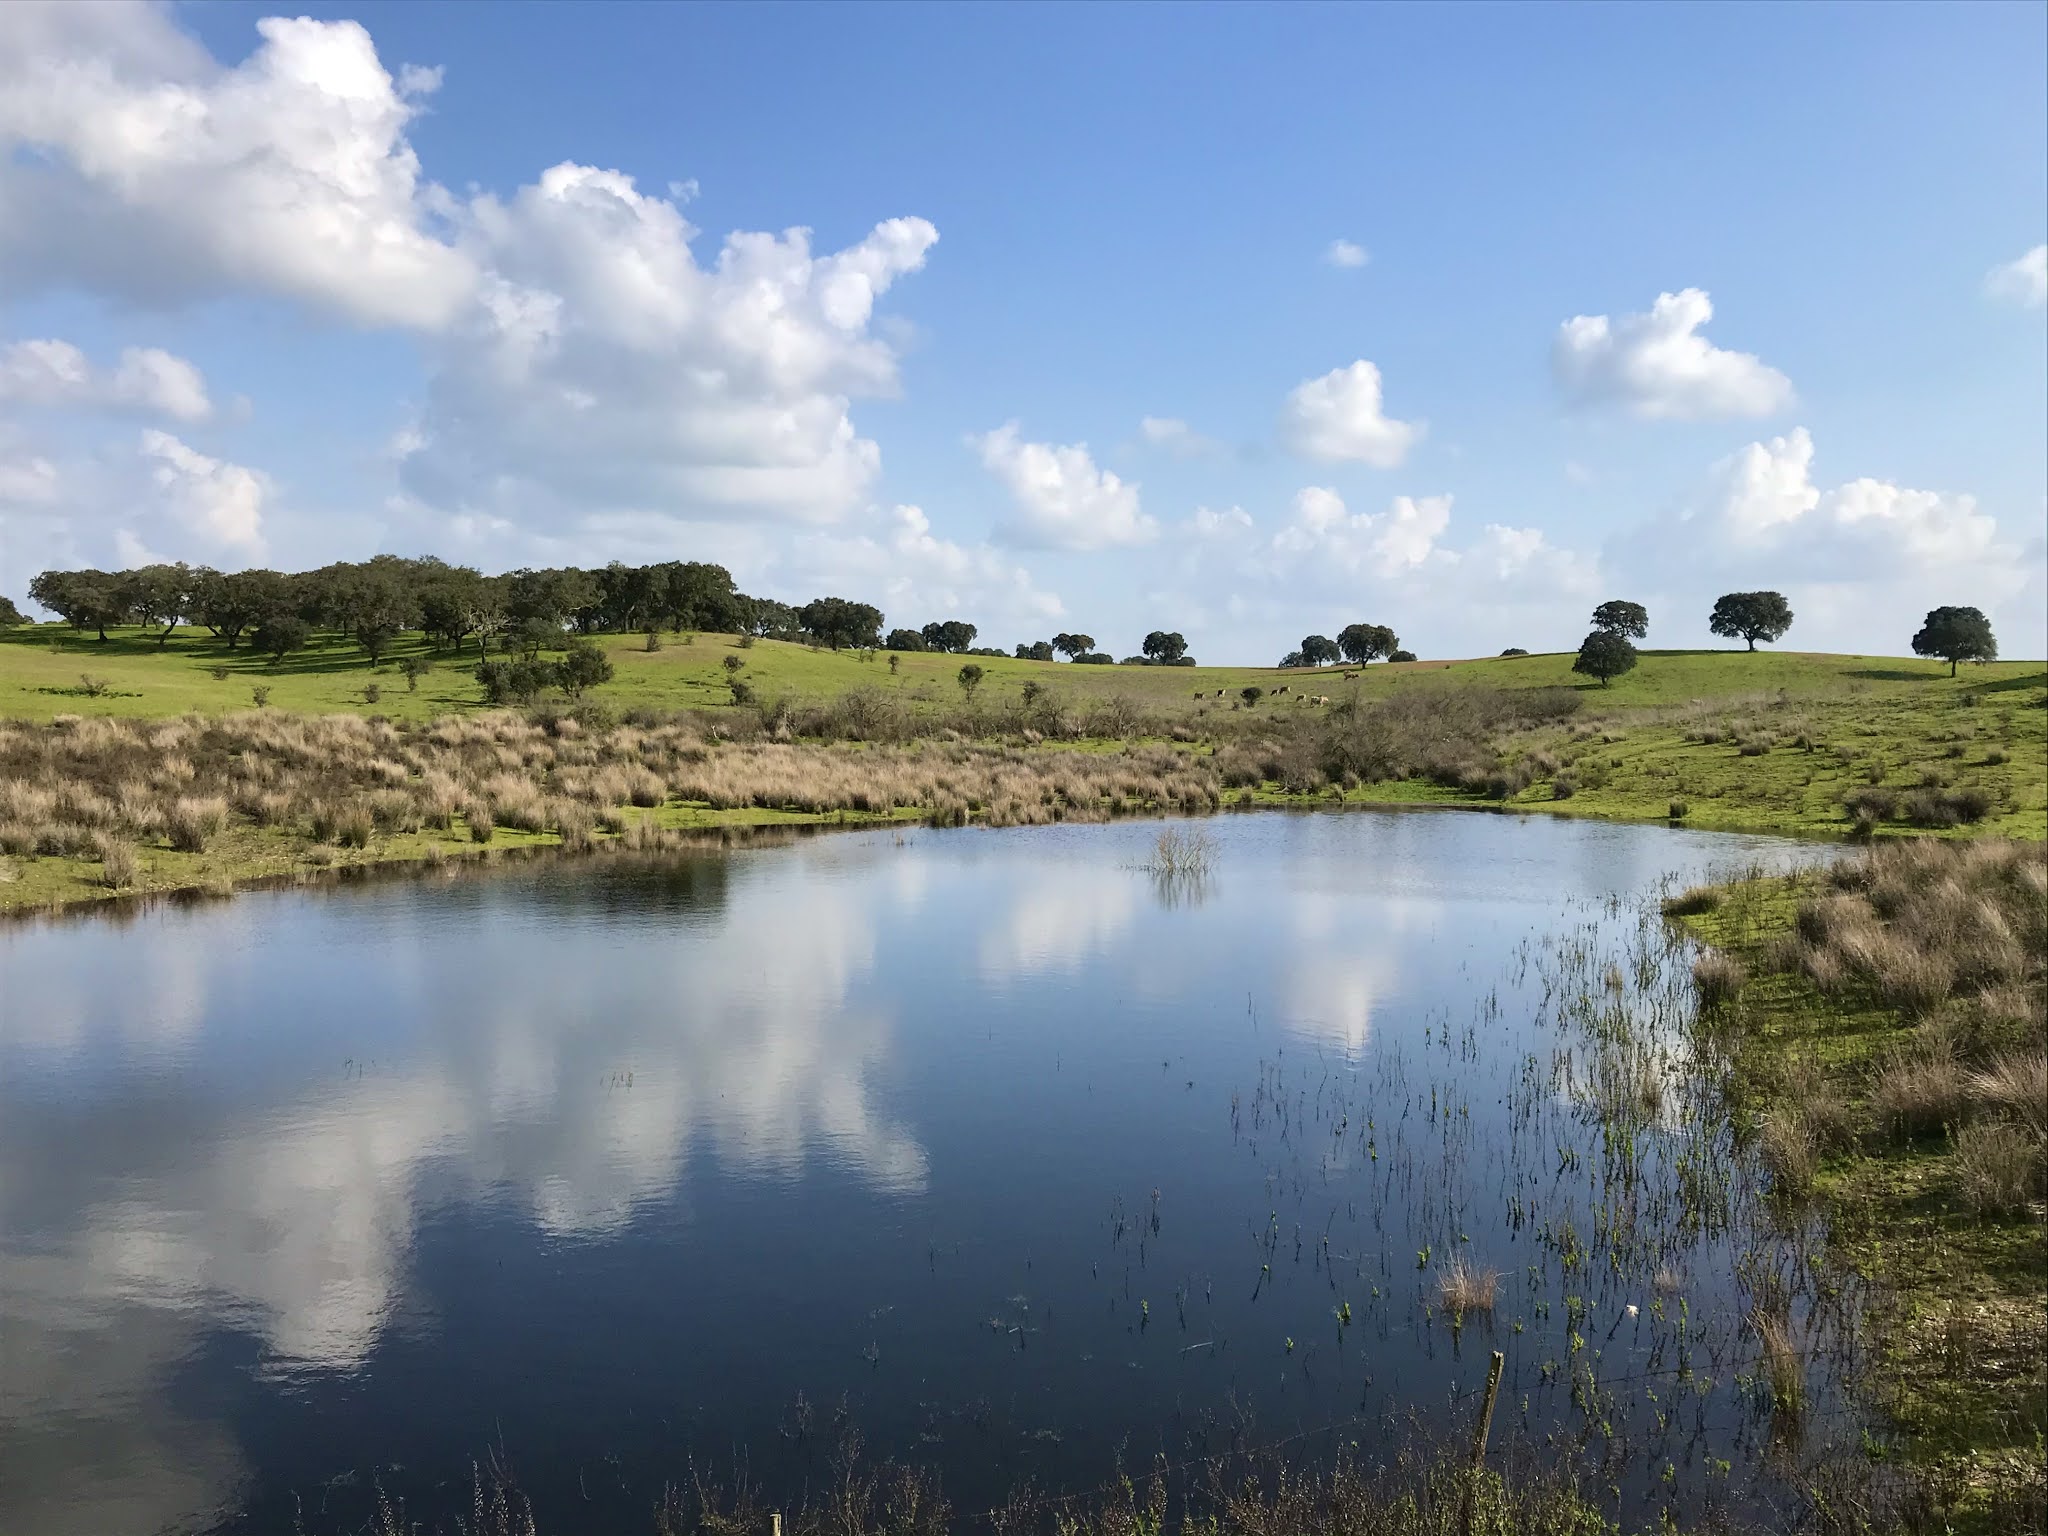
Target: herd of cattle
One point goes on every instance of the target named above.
(1313, 700)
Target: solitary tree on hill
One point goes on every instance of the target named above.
(1604, 654)
(1071, 646)
(1318, 651)
(1622, 618)
(970, 679)
(1362, 643)
(1750, 616)
(1956, 634)
(1164, 647)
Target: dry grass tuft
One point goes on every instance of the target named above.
(1788, 1150)
(1717, 978)
(2016, 1083)
(1998, 1169)
(118, 863)
(1919, 1096)
(192, 823)
(1463, 1288)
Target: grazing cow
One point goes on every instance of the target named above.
(1350, 677)
(1280, 690)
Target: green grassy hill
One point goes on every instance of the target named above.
(44, 668)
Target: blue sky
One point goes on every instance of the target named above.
(390, 325)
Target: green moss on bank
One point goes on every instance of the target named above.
(1958, 1305)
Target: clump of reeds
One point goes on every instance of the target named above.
(1788, 1150)
(1997, 1167)
(1919, 1095)
(1783, 1370)
(1717, 978)
(1463, 1288)
(1692, 901)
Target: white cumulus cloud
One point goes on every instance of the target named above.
(601, 368)
(1382, 544)
(54, 373)
(132, 162)
(1658, 365)
(2023, 281)
(1060, 498)
(1765, 498)
(917, 576)
(1341, 416)
(1175, 436)
(220, 503)
(1346, 253)
(1860, 560)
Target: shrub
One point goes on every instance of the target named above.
(219, 674)
(1996, 1168)
(1563, 787)
(1873, 804)
(1401, 656)
(193, 823)
(372, 693)
(1679, 810)
(260, 695)
(477, 815)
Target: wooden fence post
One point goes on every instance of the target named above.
(1493, 1370)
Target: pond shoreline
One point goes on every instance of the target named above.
(708, 831)
(1883, 1026)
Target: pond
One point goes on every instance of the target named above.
(1016, 1155)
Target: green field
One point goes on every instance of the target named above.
(42, 667)
(1756, 741)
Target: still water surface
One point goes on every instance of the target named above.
(990, 1139)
